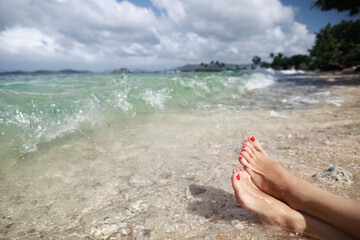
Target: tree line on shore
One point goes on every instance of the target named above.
(336, 47)
(220, 66)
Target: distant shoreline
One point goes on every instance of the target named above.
(186, 68)
(66, 71)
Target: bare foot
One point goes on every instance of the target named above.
(271, 178)
(267, 175)
(270, 210)
(276, 213)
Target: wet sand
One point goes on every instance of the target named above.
(170, 178)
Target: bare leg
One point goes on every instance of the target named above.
(342, 212)
(276, 213)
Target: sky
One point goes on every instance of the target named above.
(152, 34)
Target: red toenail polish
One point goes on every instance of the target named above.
(243, 146)
(242, 150)
(245, 141)
(252, 139)
(238, 177)
(237, 170)
(240, 157)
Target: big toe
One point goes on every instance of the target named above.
(235, 180)
(255, 143)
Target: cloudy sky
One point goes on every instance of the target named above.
(152, 34)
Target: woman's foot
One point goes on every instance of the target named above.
(267, 175)
(276, 213)
(271, 178)
(270, 210)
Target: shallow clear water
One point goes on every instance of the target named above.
(40, 108)
(149, 153)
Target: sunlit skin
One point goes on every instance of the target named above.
(270, 210)
(273, 212)
(274, 180)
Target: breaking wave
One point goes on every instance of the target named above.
(40, 108)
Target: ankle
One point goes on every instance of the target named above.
(284, 179)
(296, 222)
(298, 188)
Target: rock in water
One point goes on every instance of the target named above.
(104, 232)
(138, 181)
(136, 208)
(334, 174)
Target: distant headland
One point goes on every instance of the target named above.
(213, 66)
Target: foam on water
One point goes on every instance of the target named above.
(292, 71)
(259, 80)
(156, 99)
(40, 108)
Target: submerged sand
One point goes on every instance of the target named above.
(170, 178)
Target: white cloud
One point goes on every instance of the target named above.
(105, 34)
(32, 44)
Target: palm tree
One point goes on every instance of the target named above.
(256, 62)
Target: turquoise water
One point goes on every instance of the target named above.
(40, 108)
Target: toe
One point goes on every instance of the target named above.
(250, 149)
(251, 139)
(246, 156)
(243, 161)
(246, 174)
(235, 180)
(255, 143)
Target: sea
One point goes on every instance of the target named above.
(129, 156)
(38, 109)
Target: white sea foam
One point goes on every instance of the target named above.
(70, 125)
(300, 99)
(38, 125)
(291, 71)
(156, 99)
(336, 102)
(270, 70)
(275, 114)
(195, 84)
(259, 80)
(120, 100)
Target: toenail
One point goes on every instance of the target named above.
(242, 150)
(252, 139)
(243, 146)
(245, 141)
(240, 157)
(238, 177)
(237, 170)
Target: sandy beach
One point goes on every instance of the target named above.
(169, 178)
